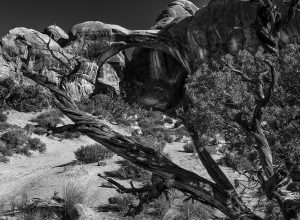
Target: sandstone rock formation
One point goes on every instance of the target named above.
(92, 56)
(59, 54)
(57, 34)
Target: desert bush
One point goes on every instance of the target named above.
(168, 138)
(155, 115)
(4, 151)
(40, 131)
(17, 141)
(146, 123)
(29, 99)
(3, 117)
(49, 119)
(151, 141)
(14, 138)
(195, 210)
(125, 122)
(36, 144)
(72, 194)
(92, 153)
(3, 126)
(23, 98)
(24, 150)
(108, 106)
(189, 147)
(131, 171)
(4, 159)
(6, 86)
(158, 207)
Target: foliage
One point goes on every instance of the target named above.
(130, 171)
(17, 141)
(112, 107)
(221, 96)
(36, 144)
(189, 147)
(194, 210)
(4, 159)
(49, 119)
(92, 153)
(3, 117)
(72, 194)
(31, 98)
(14, 138)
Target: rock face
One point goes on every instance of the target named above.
(20, 43)
(57, 34)
(182, 38)
(153, 77)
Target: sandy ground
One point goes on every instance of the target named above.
(42, 174)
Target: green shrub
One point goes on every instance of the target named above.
(92, 153)
(151, 141)
(155, 115)
(108, 106)
(14, 138)
(17, 141)
(3, 117)
(4, 159)
(28, 99)
(3, 126)
(24, 150)
(4, 151)
(130, 171)
(36, 144)
(168, 138)
(40, 130)
(195, 210)
(124, 122)
(189, 147)
(146, 123)
(49, 119)
(22, 98)
(6, 86)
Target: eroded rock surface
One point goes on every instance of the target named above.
(26, 44)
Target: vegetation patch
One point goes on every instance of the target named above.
(92, 153)
(17, 141)
(32, 98)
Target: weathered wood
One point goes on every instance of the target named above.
(176, 177)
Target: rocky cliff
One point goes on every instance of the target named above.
(91, 58)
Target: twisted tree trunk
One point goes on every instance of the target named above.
(198, 188)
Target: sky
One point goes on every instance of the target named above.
(38, 14)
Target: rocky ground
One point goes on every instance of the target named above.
(42, 174)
